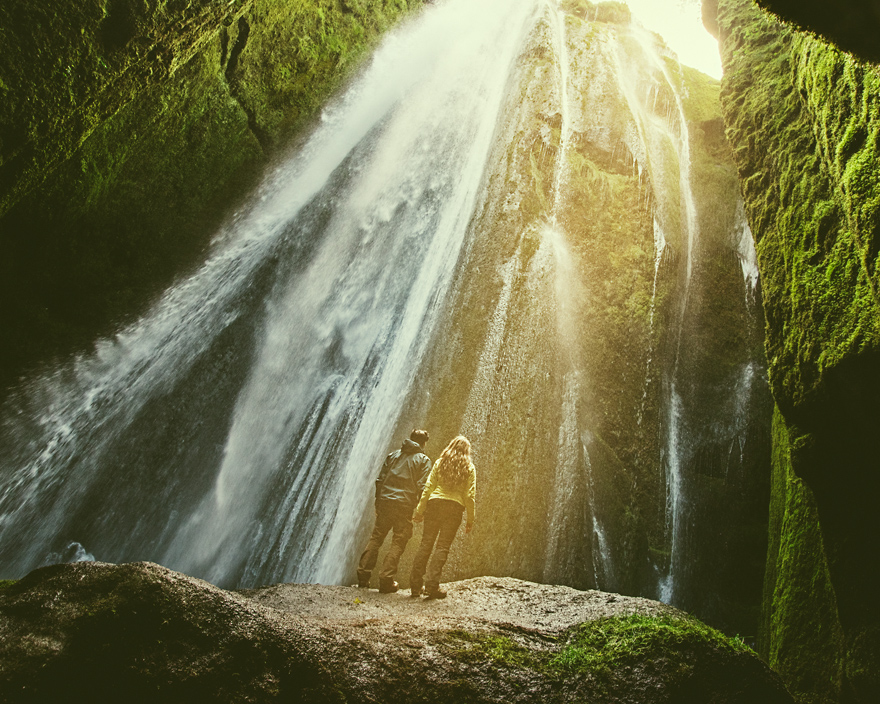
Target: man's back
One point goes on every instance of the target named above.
(403, 475)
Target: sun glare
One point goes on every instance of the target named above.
(680, 23)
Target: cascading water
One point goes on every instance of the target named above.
(748, 257)
(574, 472)
(233, 432)
(659, 250)
(494, 231)
(654, 131)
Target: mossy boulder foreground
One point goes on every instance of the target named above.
(142, 633)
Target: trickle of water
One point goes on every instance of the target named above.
(659, 249)
(474, 420)
(748, 257)
(564, 128)
(653, 130)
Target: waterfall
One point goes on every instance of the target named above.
(659, 249)
(748, 257)
(494, 230)
(564, 122)
(653, 130)
(234, 431)
(573, 469)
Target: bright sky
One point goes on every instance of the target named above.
(680, 24)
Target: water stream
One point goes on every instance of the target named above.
(655, 129)
(232, 432)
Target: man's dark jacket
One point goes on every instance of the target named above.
(403, 475)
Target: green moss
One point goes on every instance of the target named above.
(600, 647)
(6, 583)
(813, 206)
(701, 96)
(499, 650)
(803, 120)
(801, 637)
(147, 125)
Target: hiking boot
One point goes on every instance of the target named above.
(363, 579)
(387, 586)
(415, 590)
(435, 592)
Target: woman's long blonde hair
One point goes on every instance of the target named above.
(454, 464)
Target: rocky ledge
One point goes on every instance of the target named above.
(142, 633)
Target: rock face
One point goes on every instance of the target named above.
(803, 120)
(851, 24)
(127, 130)
(141, 633)
(602, 344)
(585, 308)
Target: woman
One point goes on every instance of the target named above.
(451, 488)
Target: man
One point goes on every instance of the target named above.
(398, 490)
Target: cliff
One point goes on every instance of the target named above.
(803, 121)
(141, 633)
(129, 131)
(551, 257)
(602, 340)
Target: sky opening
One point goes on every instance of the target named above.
(679, 22)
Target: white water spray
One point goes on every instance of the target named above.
(653, 129)
(564, 124)
(354, 239)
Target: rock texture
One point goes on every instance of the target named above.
(127, 132)
(803, 119)
(851, 24)
(601, 336)
(141, 633)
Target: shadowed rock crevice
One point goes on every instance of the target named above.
(241, 41)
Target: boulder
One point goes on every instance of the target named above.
(142, 633)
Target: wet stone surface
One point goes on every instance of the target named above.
(142, 633)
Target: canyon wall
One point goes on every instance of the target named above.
(551, 256)
(602, 345)
(803, 119)
(130, 131)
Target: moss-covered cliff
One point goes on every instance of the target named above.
(803, 119)
(128, 130)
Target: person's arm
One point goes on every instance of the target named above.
(426, 494)
(386, 467)
(424, 472)
(470, 499)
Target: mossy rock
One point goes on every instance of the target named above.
(143, 633)
(129, 133)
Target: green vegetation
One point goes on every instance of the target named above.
(815, 210)
(803, 120)
(147, 125)
(702, 95)
(500, 650)
(602, 646)
(801, 637)
(601, 651)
